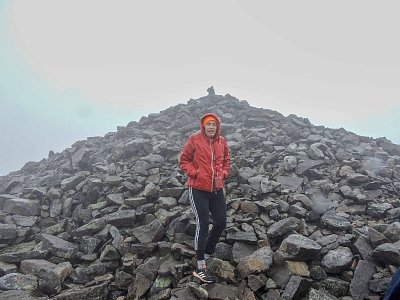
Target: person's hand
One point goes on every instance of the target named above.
(226, 174)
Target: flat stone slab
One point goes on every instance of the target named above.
(20, 206)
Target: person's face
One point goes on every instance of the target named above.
(210, 129)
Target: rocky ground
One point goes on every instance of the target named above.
(312, 213)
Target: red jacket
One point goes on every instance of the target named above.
(206, 160)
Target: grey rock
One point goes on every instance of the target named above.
(357, 179)
(8, 231)
(113, 180)
(335, 286)
(71, 182)
(109, 253)
(320, 295)
(88, 244)
(256, 282)
(12, 184)
(290, 182)
(92, 227)
(337, 260)
(387, 253)
(17, 253)
(4, 197)
(139, 286)
(123, 279)
(221, 291)
(20, 206)
(258, 261)
(26, 221)
(17, 281)
(306, 164)
(296, 288)
(198, 290)
(6, 268)
(272, 294)
(242, 236)
(86, 274)
(282, 272)
(79, 292)
(255, 182)
(378, 210)
(153, 159)
(33, 266)
(223, 269)
(393, 213)
(364, 248)
(379, 285)
(167, 202)
(165, 216)
(298, 211)
(55, 208)
(318, 273)
(121, 218)
(282, 227)
(392, 232)
(143, 249)
(223, 251)
(116, 198)
(359, 287)
(290, 163)
(246, 173)
(304, 200)
(161, 283)
(342, 155)
(335, 222)
(151, 190)
(135, 202)
(152, 232)
(315, 153)
(183, 250)
(50, 276)
(175, 192)
(249, 207)
(20, 295)
(81, 158)
(376, 237)
(300, 248)
(59, 247)
(135, 145)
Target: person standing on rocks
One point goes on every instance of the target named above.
(205, 159)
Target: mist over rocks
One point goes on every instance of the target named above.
(313, 213)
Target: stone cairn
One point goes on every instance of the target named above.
(312, 213)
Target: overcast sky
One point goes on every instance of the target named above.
(72, 69)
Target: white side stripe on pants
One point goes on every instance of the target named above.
(196, 237)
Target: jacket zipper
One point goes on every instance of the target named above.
(212, 166)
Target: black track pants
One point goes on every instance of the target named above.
(203, 203)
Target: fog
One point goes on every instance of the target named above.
(70, 69)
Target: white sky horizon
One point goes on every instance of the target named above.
(70, 70)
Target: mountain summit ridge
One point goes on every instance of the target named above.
(312, 212)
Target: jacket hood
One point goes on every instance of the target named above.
(218, 123)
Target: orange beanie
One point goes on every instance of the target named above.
(207, 119)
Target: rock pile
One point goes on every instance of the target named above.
(312, 213)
